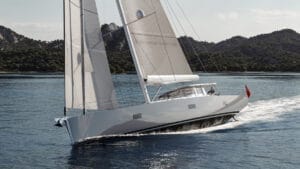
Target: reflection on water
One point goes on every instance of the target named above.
(106, 153)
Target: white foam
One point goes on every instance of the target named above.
(269, 110)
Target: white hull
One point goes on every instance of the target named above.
(158, 116)
(159, 60)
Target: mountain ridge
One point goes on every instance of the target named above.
(276, 51)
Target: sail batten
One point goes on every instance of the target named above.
(157, 49)
(88, 78)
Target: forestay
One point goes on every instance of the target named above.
(98, 91)
(157, 49)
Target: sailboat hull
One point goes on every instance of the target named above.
(164, 116)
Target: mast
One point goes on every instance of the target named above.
(82, 55)
(134, 53)
(71, 46)
(64, 47)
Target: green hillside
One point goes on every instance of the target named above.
(277, 51)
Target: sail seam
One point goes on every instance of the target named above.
(92, 12)
(73, 3)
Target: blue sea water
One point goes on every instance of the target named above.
(266, 135)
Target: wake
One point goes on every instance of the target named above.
(259, 111)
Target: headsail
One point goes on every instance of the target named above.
(98, 90)
(158, 51)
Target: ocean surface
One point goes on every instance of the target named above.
(266, 135)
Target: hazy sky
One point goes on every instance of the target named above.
(214, 20)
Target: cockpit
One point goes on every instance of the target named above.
(199, 90)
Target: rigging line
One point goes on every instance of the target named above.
(188, 20)
(174, 14)
(174, 21)
(195, 32)
(175, 26)
(157, 20)
(214, 62)
(188, 39)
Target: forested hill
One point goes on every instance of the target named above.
(19, 53)
(277, 51)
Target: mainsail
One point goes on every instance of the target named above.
(88, 81)
(158, 52)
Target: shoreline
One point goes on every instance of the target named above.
(131, 73)
(32, 73)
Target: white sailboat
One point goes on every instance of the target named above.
(159, 61)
